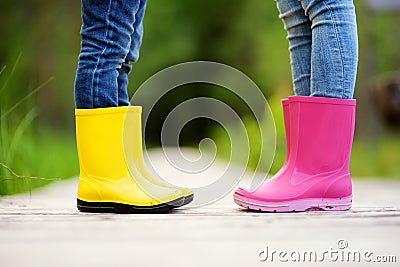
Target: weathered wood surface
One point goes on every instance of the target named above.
(45, 229)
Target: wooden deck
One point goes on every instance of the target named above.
(45, 229)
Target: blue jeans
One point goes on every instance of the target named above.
(111, 33)
(323, 46)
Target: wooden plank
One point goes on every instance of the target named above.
(45, 229)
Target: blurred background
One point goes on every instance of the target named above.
(39, 46)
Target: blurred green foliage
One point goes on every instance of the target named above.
(246, 35)
(27, 150)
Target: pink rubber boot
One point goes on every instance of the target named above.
(286, 119)
(316, 175)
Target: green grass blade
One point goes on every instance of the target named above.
(21, 129)
(2, 69)
(11, 74)
(4, 135)
(34, 91)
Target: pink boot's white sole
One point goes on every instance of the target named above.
(314, 204)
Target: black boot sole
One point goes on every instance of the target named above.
(188, 199)
(111, 207)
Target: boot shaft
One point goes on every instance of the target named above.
(286, 119)
(321, 133)
(108, 137)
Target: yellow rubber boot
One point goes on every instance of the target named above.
(109, 179)
(135, 137)
(187, 192)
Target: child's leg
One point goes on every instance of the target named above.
(123, 98)
(334, 47)
(107, 26)
(298, 27)
(133, 55)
